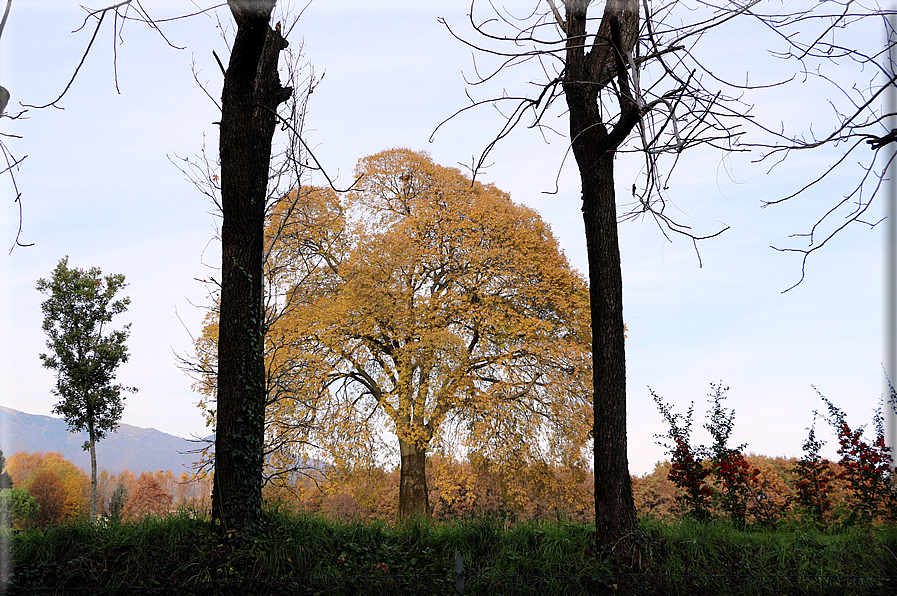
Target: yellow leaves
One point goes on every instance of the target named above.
(59, 486)
(304, 234)
(453, 483)
(453, 280)
(418, 298)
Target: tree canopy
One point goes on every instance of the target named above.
(58, 486)
(427, 305)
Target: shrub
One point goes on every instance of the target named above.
(717, 479)
(813, 478)
(18, 509)
(865, 467)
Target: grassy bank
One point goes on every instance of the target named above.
(310, 555)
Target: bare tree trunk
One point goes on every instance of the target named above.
(413, 497)
(594, 146)
(614, 505)
(250, 97)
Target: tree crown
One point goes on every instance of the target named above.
(85, 356)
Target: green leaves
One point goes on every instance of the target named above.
(80, 304)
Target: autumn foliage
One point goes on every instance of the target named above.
(61, 490)
(47, 490)
(776, 489)
(426, 305)
(458, 490)
(127, 497)
(722, 482)
(147, 498)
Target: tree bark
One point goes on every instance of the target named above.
(249, 100)
(614, 505)
(413, 497)
(93, 473)
(595, 145)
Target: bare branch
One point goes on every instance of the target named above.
(682, 102)
(12, 164)
(77, 68)
(5, 15)
(218, 60)
(120, 12)
(560, 20)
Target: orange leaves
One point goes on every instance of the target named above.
(59, 487)
(147, 497)
(456, 300)
(418, 298)
(47, 490)
(127, 496)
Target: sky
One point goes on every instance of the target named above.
(98, 185)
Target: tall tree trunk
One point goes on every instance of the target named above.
(595, 145)
(249, 99)
(614, 505)
(413, 497)
(92, 438)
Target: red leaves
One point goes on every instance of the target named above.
(812, 484)
(867, 471)
(689, 474)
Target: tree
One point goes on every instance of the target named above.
(67, 503)
(117, 502)
(590, 69)
(84, 355)
(59, 487)
(47, 490)
(249, 100)
(635, 84)
(432, 305)
(18, 509)
(148, 498)
(5, 479)
(22, 464)
(251, 95)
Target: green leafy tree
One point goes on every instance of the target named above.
(84, 354)
(5, 479)
(18, 509)
(117, 502)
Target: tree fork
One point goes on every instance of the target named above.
(594, 147)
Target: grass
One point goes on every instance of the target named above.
(302, 554)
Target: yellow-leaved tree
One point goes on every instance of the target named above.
(422, 305)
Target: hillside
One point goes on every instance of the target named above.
(130, 447)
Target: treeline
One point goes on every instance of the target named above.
(456, 490)
(719, 481)
(45, 489)
(773, 495)
(49, 490)
(464, 490)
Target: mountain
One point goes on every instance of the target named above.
(128, 448)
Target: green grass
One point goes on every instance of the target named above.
(301, 554)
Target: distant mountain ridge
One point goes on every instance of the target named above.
(128, 448)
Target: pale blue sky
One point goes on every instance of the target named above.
(97, 186)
